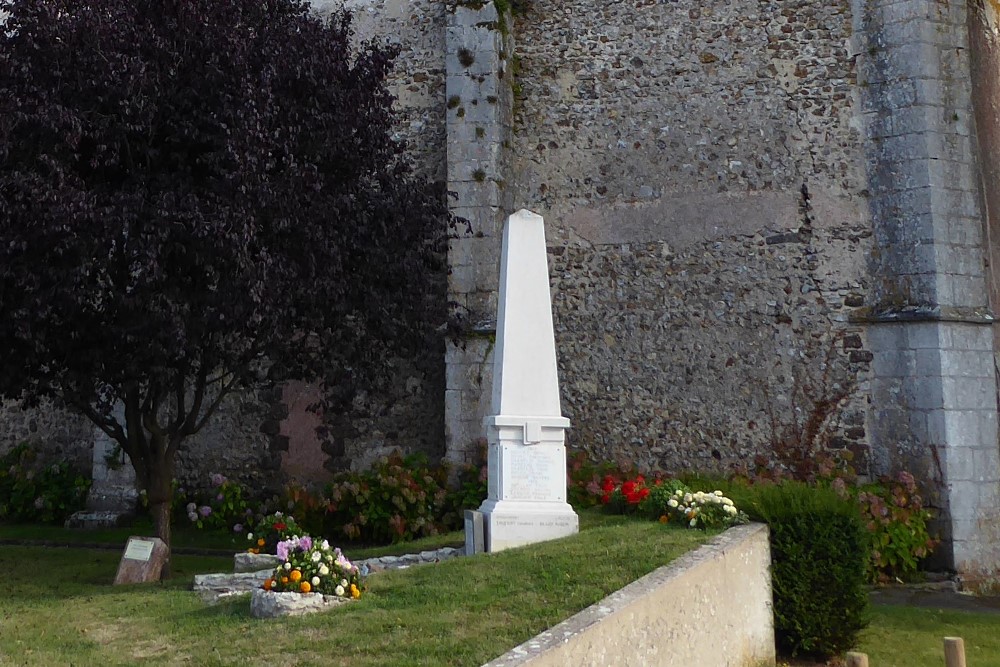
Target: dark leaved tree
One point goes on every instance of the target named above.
(192, 191)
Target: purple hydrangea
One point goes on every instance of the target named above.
(217, 479)
(282, 549)
(305, 543)
(238, 528)
(204, 510)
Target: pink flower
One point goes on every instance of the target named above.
(283, 547)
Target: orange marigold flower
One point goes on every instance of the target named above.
(664, 518)
(295, 575)
(268, 583)
(355, 593)
(260, 542)
(284, 580)
(305, 587)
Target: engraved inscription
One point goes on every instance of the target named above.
(536, 474)
(140, 550)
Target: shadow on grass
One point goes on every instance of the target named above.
(232, 607)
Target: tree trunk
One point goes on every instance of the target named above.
(160, 490)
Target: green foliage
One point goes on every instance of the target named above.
(471, 490)
(819, 557)
(894, 514)
(32, 491)
(655, 504)
(399, 498)
(267, 531)
(222, 506)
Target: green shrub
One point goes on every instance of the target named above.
(895, 517)
(655, 504)
(398, 499)
(265, 532)
(222, 506)
(819, 559)
(33, 491)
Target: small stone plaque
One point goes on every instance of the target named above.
(142, 561)
(139, 550)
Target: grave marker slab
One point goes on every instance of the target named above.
(142, 561)
(526, 432)
(113, 497)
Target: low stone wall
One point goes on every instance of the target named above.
(709, 607)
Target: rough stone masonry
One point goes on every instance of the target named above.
(744, 200)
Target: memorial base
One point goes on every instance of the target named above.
(511, 523)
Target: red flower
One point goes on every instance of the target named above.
(279, 526)
(609, 485)
(628, 488)
(605, 499)
(643, 493)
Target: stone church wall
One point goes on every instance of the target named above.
(701, 170)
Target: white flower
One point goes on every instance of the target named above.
(718, 493)
(339, 590)
(693, 523)
(324, 570)
(288, 566)
(688, 497)
(672, 503)
(325, 545)
(343, 582)
(727, 501)
(315, 581)
(316, 556)
(249, 536)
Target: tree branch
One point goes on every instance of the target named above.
(190, 422)
(223, 392)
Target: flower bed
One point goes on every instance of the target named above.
(312, 576)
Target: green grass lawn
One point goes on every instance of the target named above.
(912, 637)
(187, 538)
(59, 607)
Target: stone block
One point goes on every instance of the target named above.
(475, 541)
(248, 562)
(965, 363)
(93, 520)
(213, 587)
(453, 404)
(894, 364)
(468, 87)
(269, 604)
(477, 194)
(462, 279)
(143, 561)
(972, 337)
(970, 291)
(962, 429)
(926, 395)
(923, 335)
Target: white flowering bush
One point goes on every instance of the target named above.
(310, 566)
(699, 509)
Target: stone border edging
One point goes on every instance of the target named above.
(652, 620)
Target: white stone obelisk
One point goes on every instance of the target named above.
(526, 432)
